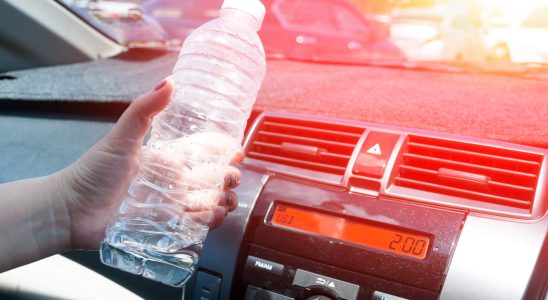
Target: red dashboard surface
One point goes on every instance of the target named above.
(490, 106)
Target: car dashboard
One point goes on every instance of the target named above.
(331, 207)
(361, 180)
(337, 209)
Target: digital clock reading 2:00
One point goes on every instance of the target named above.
(373, 236)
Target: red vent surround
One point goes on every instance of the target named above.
(481, 173)
(476, 175)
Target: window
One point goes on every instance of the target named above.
(538, 18)
(347, 20)
(462, 22)
(312, 14)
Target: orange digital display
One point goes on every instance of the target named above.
(347, 230)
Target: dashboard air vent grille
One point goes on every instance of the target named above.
(467, 170)
(312, 145)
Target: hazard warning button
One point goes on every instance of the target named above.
(374, 154)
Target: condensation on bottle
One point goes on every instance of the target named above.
(160, 226)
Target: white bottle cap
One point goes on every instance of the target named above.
(252, 7)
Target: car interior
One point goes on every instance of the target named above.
(363, 179)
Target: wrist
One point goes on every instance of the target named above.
(50, 217)
(84, 205)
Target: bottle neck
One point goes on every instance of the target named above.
(242, 17)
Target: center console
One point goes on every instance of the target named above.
(311, 242)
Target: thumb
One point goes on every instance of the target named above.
(134, 123)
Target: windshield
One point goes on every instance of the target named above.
(495, 33)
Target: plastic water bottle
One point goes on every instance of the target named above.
(161, 224)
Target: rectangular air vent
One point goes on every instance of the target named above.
(466, 170)
(313, 145)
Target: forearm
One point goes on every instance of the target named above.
(34, 222)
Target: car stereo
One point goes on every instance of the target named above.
(307, 241)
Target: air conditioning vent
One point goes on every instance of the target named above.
(466, 170)
(312, 145)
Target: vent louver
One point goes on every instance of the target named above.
(318, 146)
(466, 170)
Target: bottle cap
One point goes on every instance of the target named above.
(252, 7)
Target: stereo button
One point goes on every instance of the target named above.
(319, 297)
(265, 265)
(374, 154)
(384, 296)
(255, 293)
(344, 289)
(207, 286)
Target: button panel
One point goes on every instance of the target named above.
(374, 154)
(343, 289)
(255, 293)
(265, 265)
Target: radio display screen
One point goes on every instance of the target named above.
(362, 233)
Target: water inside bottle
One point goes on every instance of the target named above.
(140, 248)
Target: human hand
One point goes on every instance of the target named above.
(95, 184)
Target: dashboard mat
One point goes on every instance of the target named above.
(505, 108)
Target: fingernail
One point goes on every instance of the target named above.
(160, 85)
(233, 181)
(228, 181)
(229, 198)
